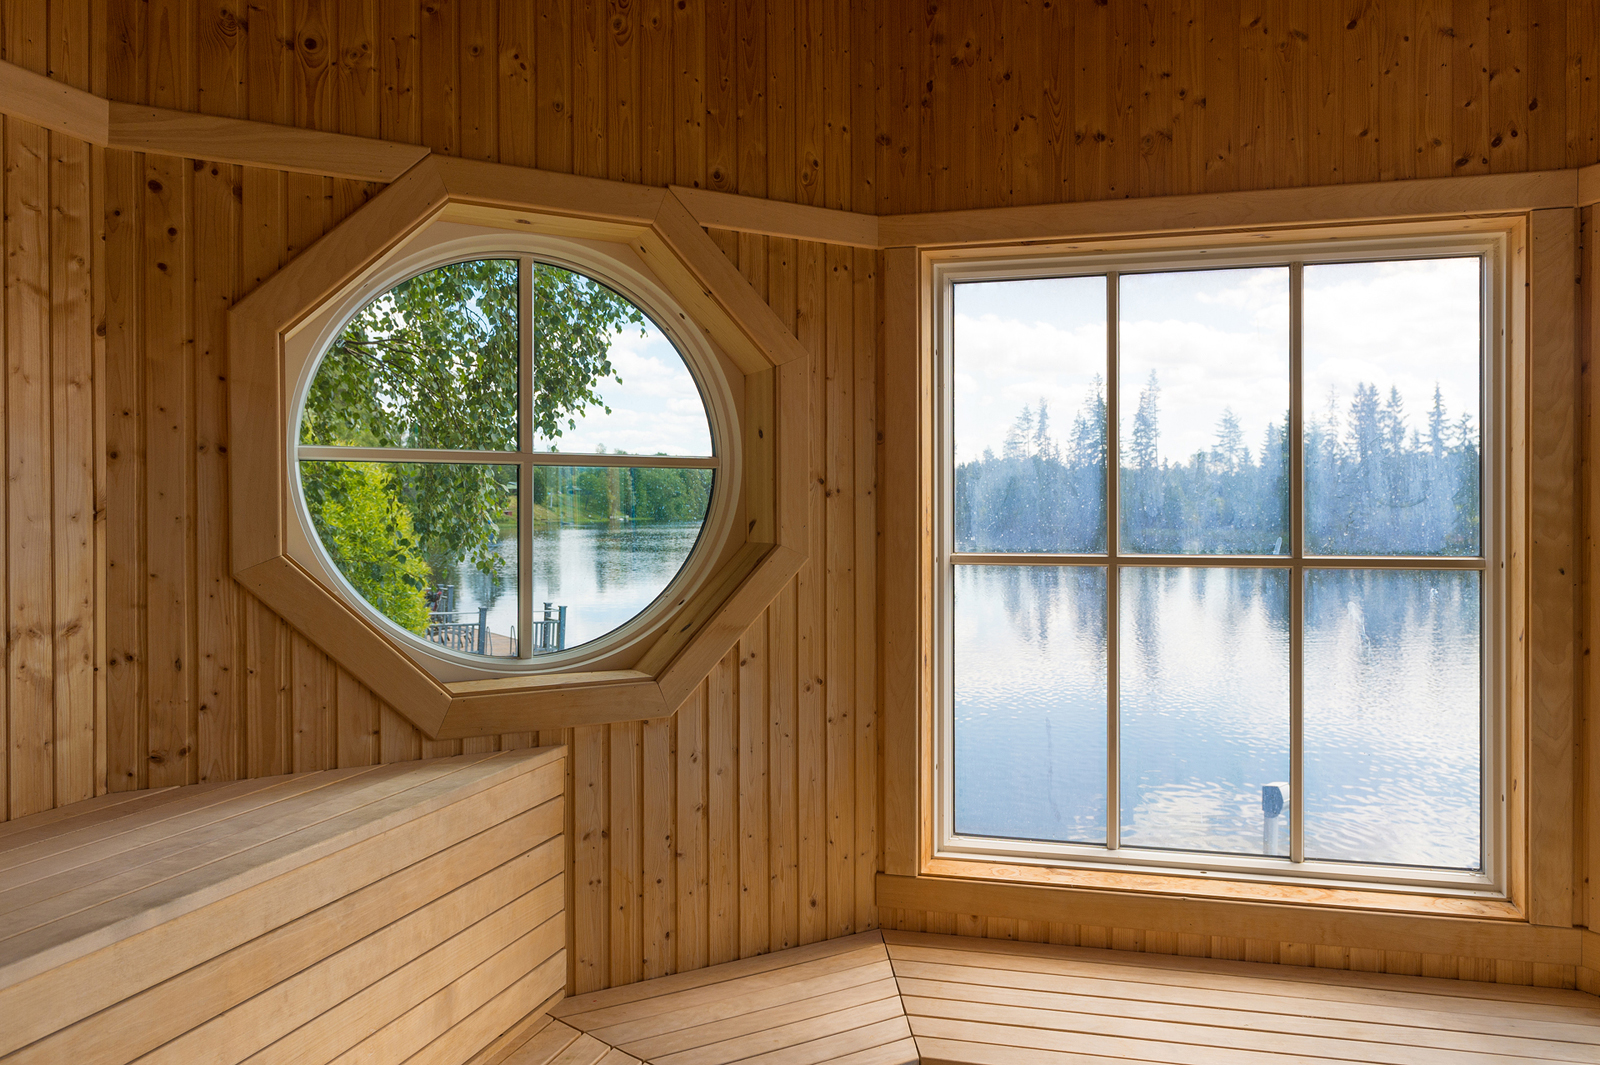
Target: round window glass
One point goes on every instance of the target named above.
(505, 458)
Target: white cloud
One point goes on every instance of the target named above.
(1217, 339)
(655, 408)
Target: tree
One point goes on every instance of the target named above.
(368, 531)
(1230, 452)
(1020, 440)
(433, 363)
(1145, 449)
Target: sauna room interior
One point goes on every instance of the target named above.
(693, 532)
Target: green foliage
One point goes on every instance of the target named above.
(368, 532)
(433, 363)
(592, 495)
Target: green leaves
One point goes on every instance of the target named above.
(368, 532)
(434, 363)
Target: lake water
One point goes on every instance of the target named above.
(603, 576)
(1392, 728)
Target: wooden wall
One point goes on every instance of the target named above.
(750, 821)
(49, 410)
(1040, 101)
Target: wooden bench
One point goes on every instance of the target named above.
(899, 998)
(410, 912)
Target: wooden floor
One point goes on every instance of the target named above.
(990, 1001)
(828, 1002)
(896, 998)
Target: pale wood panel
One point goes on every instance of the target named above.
(857, 108)
(826, 1002)
(980, 1001)
(1211, 96)
(262, 700)
(312, 946)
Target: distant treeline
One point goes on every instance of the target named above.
(1374, 484)
(642, 495)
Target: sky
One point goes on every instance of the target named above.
(655, 408)
(1217, 339)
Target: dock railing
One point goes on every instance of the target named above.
(453, 629)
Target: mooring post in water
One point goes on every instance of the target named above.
(1274, 801)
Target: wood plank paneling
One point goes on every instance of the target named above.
(290, 916)
(1281, 94)
(750, 821)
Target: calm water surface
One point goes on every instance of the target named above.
(603, 576)
(1392, 733)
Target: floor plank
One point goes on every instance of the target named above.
(896, 998)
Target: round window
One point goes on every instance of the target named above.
(505, 458)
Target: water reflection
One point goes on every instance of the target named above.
(1030, 703)
(1204, 704)
(1393, 717)
(604, 576)
(1392, 708)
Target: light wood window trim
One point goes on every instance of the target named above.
(1291, 251)
(766, 545)
(608, 264)
(1539, 442)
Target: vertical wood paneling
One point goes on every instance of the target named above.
(625, 882)
(755, 822)
(838, 568)
(481, 72)
(809, 626)
(30, 659)
(1285, 94)
(72, 519)
(658, 912)
(217, 221)
(722, 811)
(692, 858)
(864, 432)
(358, 713)
(591, 858)
(169, 473)
(127, 711)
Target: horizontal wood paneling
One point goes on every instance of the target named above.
(285, 919)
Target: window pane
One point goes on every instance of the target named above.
(1393, 712)
(1204, 365)
(608, 541)
(1030, 702)
(607, 378)
(432, 363)
(1029, 435)
(430, 546)
(1203, 657)
(1392, 372)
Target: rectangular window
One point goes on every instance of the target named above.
(1218, 593)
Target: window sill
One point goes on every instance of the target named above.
(1339, 919)
(1174, 886)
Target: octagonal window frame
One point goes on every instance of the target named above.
(612, 264)
(767, 369)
